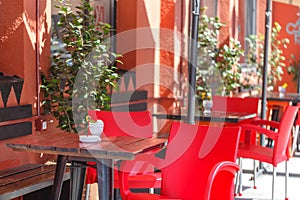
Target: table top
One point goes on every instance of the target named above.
(215, 116)
(62, 143)
(291, 97)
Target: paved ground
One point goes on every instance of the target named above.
(264, 182)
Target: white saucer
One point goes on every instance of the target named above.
(89, 138)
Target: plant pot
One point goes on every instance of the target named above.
(207, 105)
(96, 128)
(281, 91)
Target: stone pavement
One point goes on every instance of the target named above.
(264, 182)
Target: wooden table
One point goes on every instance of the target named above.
(294, 98)
(275, 99)
(68, 148)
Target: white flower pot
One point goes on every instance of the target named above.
(207, 105)
(96, 128)
(281, 91)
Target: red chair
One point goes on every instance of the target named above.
(296, 135)
(274, 155)
(199, 164)
(238, 104)
(137, 124)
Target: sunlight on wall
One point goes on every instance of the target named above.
(11, 29)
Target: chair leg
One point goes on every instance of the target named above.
(87, 193)
(295, 138)
(240, 178)
(298, 141)
(254, 174)
(151, 190)
(273, 183)
(287, 173)
(236, 186)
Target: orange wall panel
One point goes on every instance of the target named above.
(11, 38)
(261, 16)
(126, 24)
(286, 14)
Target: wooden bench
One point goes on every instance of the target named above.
(19, 181)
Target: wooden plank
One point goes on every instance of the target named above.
(129, 101)
(136, 147)
(19, 176)
(15, 112)
(132, 107)
(15, 130)
(30, 184)
(121, 97)
(11, 171)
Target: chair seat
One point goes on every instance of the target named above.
(147, 196)
(265, 154)
(150, 180)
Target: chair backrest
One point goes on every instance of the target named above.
(235, 104)
(137, 124)
(191, 154)
(284, 133)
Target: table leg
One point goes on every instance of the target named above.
(77, 180)
(58, 179)
(105, 178)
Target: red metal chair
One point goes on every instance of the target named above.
(274, 155)
(199, 164)
(137, 124)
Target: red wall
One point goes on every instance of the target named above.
(18, 57)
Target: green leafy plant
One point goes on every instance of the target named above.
(255, 55)
(293, 68)
(229, 67)
(208, 31)
(82, 73)
(216, 64)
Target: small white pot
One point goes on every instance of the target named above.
(281, 89)
(96, 128)
(207, 105)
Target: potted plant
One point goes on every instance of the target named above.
(229, 67)
(82, 73)
(218, 70)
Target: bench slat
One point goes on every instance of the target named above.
(23, 182)
(20, 176)
(11, 171)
